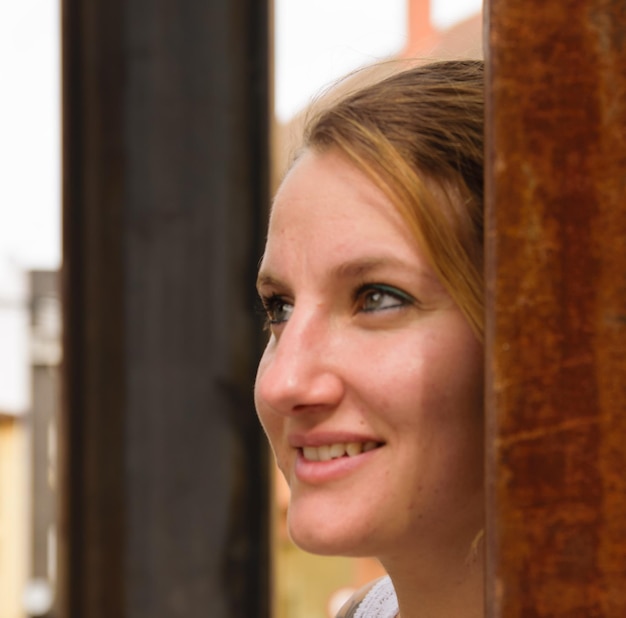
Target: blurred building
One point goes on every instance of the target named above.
(44, 362)
(424, 41)
(29, 358)
(14, 434)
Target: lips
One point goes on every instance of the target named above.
(328, 457)
(337, 450)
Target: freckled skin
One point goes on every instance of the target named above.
(410, 375)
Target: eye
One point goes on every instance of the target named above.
(277, 309)
(380, 297)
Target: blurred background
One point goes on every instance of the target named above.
(314, 43)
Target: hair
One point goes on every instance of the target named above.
(419, 136)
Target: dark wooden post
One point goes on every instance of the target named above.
(165, 489)
(556, 271)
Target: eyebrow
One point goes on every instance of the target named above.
(355, 269)
(360, 267)
(266, 280)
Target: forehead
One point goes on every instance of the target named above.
(329, 217)
(323, 190)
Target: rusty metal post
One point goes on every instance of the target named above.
(556, 273)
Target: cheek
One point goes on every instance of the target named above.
(273, 427)
(454, 364)
(457, 401)
(463, 380)
(435, 381)
(271, 421)
(398, 374)
(258, 399)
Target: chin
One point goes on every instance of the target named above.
(337, 539)
(327, 547)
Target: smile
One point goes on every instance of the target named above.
(335, 451)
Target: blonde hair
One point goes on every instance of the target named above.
(419, 136)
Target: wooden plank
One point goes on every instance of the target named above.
(556, 324)
(165, 487)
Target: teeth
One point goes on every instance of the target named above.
(369, 446)
(311, 453)
(335, 451)
(354, 448)
(324, 453)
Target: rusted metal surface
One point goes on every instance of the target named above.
(556, 325)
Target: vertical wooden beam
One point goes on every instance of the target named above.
(556, 272)
(91, 428)
(165, 489)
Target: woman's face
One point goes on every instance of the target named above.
(370, 388)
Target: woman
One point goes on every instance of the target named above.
(370, 388)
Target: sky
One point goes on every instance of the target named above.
(316, 42)
(30, 133)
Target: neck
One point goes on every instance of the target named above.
(449, 585)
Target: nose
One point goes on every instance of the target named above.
(299, 370)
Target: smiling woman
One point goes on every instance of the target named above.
(370, 388)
